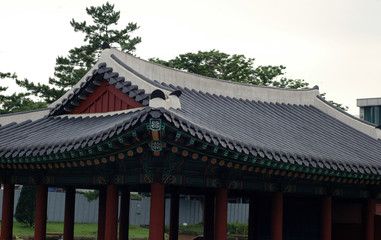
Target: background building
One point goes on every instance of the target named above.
(370, 109)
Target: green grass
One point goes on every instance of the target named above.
(233, 228)
(138, 232)
(80, 230)
(192, 228)
(91, 229)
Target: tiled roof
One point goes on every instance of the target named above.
(300, 134)
(64, 133)
(288, 126)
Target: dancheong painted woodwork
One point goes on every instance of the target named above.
(132, 125)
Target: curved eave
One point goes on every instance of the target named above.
(212, 149)
(287, 158)
(259, 167)
(38, 146)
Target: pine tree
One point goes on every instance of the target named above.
(17, 102)
(69, 70)
(26, 206)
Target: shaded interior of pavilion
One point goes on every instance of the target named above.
(272, 215)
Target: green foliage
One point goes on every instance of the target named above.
(135, 196)
(94, 195)
(338, 105)
(91, 195)
(238, 228)
(17, 102)
(236, 67)
(70, 69)
(213, 64)
(26, 206)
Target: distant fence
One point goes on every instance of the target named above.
(190, 211)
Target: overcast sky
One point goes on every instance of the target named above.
(333, 44)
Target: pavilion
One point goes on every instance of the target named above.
(310, 170)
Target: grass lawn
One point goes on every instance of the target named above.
(91, 229)
(193, 228)
(80, 230)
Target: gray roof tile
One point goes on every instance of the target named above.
(297, 134)
(59, 134)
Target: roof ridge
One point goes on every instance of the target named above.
(216, 79)
(346, 113)
(170, 76)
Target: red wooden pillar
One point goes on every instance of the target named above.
(252, 218)
(221, 215)
(102, 213)
(112, 199)
(7, 214)
(156, 221)
(124, 219)
(174, 217)
(371, 209)
(69, 213)
(326, 218)
(277, 216)
(209, 216)
(41, 208)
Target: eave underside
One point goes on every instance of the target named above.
(141, 155)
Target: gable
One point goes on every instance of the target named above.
(105, 98)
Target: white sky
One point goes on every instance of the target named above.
(333, 44)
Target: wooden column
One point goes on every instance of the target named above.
(102, 213)
(277, 216)
(69, 213)
(41, 215)
(174, 217)
(111, 226)
(252, 218)
(326, 218)
(209, 216)
(124, 219)
(369, 221)
(221, 215)
(157, 213)
(7, 214)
